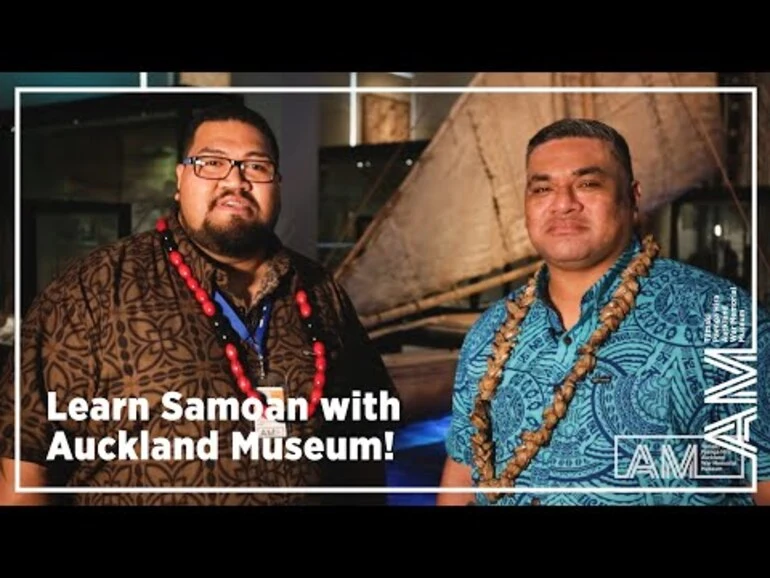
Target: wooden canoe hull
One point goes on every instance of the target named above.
(424, 380)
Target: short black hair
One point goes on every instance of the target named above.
(231, 111)
(589, 128)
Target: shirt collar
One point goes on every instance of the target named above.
(600, 293)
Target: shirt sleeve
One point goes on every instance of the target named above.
(471, 365)
(361, 369)
(364, 365)
(752, 418)
(760, 428)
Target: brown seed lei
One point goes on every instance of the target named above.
(610, 317)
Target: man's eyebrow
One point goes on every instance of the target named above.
(537, 177)
(211, 150)
(216, 151)
(260, 154)
(592, 170)
(582, 171)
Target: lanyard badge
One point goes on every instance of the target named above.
(257, 340)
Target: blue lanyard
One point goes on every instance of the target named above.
(259, 340)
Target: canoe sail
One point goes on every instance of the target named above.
(458, 215)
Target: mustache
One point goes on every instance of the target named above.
(557, 222)
(239, 194)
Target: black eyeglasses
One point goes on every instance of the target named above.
(217, 168)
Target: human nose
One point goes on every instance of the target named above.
(235, 176)
(564, 199)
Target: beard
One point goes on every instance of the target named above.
(238, 239)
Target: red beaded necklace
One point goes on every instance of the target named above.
(225, 335)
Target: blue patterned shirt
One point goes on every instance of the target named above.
(639, 418)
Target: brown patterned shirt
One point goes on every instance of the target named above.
(122, 323)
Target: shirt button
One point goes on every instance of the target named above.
(567, 340)
(535, 501)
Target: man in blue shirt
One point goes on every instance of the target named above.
(614, 376)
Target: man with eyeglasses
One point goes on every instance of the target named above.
(208, 307)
